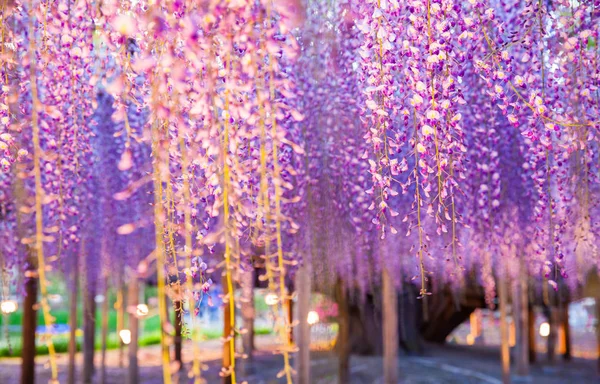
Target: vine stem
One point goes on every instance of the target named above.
(453, 217)
(280, 261)
(435, 130)
(188, 256)
(226, 186)
(382, 100)
(160, 256)
(39, 194)
(423, 290)
(159, 237)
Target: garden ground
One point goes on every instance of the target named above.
(451, 364)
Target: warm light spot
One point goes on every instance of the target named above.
(470, 339)
(125, 335)
(312, 318)
(8, 306)
(544, 329)
(141, 310)
(271, 299)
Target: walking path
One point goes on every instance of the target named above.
(440, 365)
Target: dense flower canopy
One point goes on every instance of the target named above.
(434, 138)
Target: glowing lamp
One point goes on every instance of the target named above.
(312, 318)
(271, 299)
(125, 335)
(141, 310)
(8, 306)
(544, 329)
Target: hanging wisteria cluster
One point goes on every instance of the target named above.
(435, 139)
(491, 130)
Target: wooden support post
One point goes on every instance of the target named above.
(504, 347)
(343, 338)
(475, 324)
(521, 321)
(566, 332)
(598, 330)
(390, 330)
(29, 323)
(104, 332)
(532, 332)
(177, 343)
(512, 333)
(89, 320)
(303, 288)
(290, 319)
(120, 316)
(227, 333)
(73, 315)
(248, 315)
(132, 301)
(552, 315)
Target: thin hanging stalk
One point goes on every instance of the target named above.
(187, 211)
(454, 238)
(157, 148)
(435, 130)
(545, 292)
(160, 256)
(264, 182)
(39, 194)
(4, 287)
(423, 290)
(170, 213)
(264, 192)
(226, 219)
(384, 154)
(280, 261)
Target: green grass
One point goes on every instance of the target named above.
(150, 336)
(61, 317)
(149, 327)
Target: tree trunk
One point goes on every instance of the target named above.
(505, 349)
(343, 339)
(598, 330)
(29, 327)
(104, 333)
(475, 325)
(532, 333)
(73, 315)
(566, 333)
(520, 318)
(178, 306)
(132, 302)
(89, 323)
(551, 314)
(290, 319)
(410, 313)
(303, 288)
(248, 315)
(120, 316)
(390, 330)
